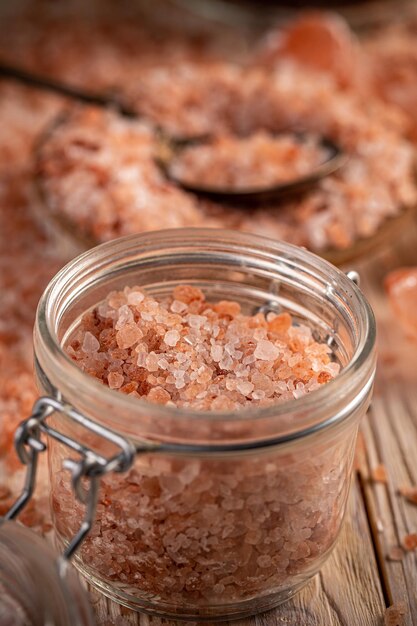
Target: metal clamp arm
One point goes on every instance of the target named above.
(91, 465)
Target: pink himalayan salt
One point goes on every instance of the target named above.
(128, 335)
(206, 356)
(409, 493)
(24, 112)
(320, 40)
(201, 531)
(135, 297)
(104, 196)
(401, 287)
(90, 343)
(266, 351)
(261, 160)
(198, 531)
(115, 380)
(391, 59)
(395, 615)
(171, 338)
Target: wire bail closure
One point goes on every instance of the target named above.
(90, 467)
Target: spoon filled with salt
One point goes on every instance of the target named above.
(261, 167)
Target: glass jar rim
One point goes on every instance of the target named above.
(46, 334)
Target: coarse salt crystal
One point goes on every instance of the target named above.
(231, 384)
(135, 297)
(128, 335)
(115, 380)
(298, 393)
(258, 394)
(264, 560)
(90, 343)
(245, 387)
(152, 362)
(226, 362)
(178, 307)
(216, 353)
(266, 351)
(125, 316)
(172, 337)
(196, 321)
(141, 359)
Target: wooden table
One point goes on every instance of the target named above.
(359, 580)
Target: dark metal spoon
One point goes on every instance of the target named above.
(58, 87)
(170, 148)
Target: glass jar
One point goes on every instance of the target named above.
(221, 515)
(32, 593)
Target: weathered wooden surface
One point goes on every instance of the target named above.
(359, 581)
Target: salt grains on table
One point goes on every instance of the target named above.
(200, 530)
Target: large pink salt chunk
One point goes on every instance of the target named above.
(321, 41)
(401, 287)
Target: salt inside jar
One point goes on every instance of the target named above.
(238, 487)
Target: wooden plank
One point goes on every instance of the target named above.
(347, 592)
(390, 435)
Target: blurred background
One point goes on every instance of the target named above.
(87, 89)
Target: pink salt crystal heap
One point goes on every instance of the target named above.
(21, 283)
(110, 185)
(187, 352)
(98, 171)
(24, 112)
(401, 286)
(108, 46)
(193, 532)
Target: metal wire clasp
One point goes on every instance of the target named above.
(89, 468)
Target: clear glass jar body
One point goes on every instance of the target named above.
(219, 533)
(32, 593)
